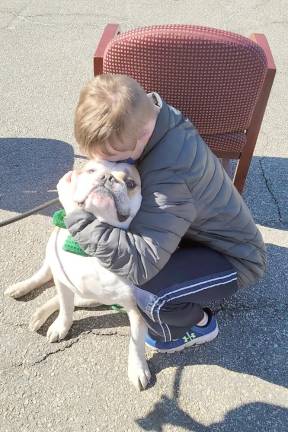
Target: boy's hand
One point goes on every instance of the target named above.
(66, 188)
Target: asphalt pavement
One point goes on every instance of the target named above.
(239, 381)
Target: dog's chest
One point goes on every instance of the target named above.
(84, 275)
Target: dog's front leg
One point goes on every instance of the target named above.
(59, 329)
(138, 370)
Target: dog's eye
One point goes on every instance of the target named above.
(130, 184)
(91, 171)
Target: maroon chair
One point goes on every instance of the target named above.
(218, 79)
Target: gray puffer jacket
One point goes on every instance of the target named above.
(185, 192)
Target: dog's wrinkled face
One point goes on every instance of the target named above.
(111, 191)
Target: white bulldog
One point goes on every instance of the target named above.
(112, 192)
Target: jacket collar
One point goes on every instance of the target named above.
(168, 118)
(161, 127)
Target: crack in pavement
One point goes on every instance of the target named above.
(15, 16)
(15, 324)
(63, 348)
(247, 308)
(27, 18)
(17, 365)
(67, 345)
(230, 309)
(269, 188)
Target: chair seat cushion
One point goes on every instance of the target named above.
(231, 143)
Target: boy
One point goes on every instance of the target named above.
(187, 197)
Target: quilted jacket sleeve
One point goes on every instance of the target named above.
(154, 234)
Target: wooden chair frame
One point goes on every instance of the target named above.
(244, 158)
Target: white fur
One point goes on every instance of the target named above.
(82, 281)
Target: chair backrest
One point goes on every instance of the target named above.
(213, 76)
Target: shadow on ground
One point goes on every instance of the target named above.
(30, 169)
(251, 417)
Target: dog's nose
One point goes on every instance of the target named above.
(109, 178)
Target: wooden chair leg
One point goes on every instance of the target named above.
(241, 172)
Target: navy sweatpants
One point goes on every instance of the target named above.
(170, 303)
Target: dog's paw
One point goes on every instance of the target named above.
(139, 374)
(58, 330)
(17, 290)
(37, 320)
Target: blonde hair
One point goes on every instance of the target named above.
(111, 109)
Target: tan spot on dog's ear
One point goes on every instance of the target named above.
(119, 175)
(134, 174)
(133, 192)
(78, 170)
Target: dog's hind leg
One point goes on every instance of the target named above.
(42, 313)
(138, 370)
(39, 278)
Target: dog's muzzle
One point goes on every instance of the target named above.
(105, 187)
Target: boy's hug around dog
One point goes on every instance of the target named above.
(135, 247)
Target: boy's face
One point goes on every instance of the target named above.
(118, 155)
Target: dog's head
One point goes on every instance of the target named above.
(111, 191)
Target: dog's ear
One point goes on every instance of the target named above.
(79, 170)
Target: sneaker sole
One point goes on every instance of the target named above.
(199, 341)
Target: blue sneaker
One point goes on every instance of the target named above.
(196, 336)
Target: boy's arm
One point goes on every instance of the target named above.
(140, 253)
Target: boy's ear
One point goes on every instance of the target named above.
(142, 133)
